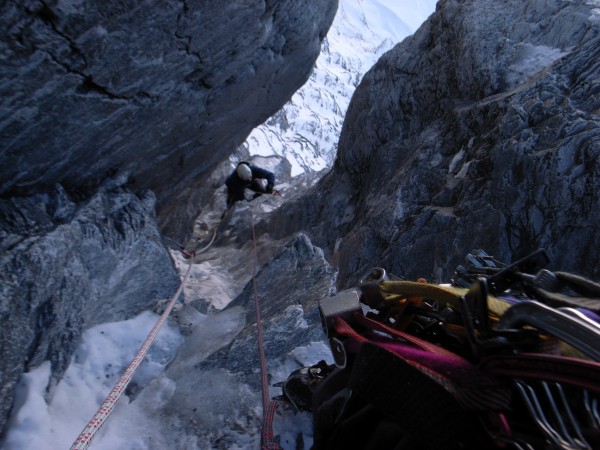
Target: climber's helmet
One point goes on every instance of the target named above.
(244, 172)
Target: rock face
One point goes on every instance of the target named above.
(79, 265)
(482, 130)
(154, 95)
(160, 92)
(290, 287)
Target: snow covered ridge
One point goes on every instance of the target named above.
(306, 130)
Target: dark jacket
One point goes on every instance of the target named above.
(236, 186)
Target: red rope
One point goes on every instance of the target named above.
(267, 441)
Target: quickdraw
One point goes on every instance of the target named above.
(193, 250)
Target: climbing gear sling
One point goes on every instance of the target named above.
(507, 356)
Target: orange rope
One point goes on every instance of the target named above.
(87, 435)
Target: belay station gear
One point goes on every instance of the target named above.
(504, 357)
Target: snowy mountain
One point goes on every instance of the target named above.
(305, 131)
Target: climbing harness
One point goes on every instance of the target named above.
(506, 356)
(267, 441)
(87, 435)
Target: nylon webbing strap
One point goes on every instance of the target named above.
(473, 389)
(87, 435)
(416, 289)
(414, 340)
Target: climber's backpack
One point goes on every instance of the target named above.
(504, 357)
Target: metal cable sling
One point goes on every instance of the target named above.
(88, 433)
(267, 441)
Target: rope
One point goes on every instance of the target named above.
(88, 433)
(194, 252)
(266, 438)
(203, 249)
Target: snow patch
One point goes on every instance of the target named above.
(289, 424)
(595, 12)
(456, 160)
(528, 61)
(462, 173)
(104, 353)
(208, 282)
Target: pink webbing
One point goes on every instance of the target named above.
(88, 433)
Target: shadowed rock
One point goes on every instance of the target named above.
(479, 131)
(80, 265)
(154, 95)
(160, 92)
(289, 288)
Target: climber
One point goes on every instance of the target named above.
(248, 176)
